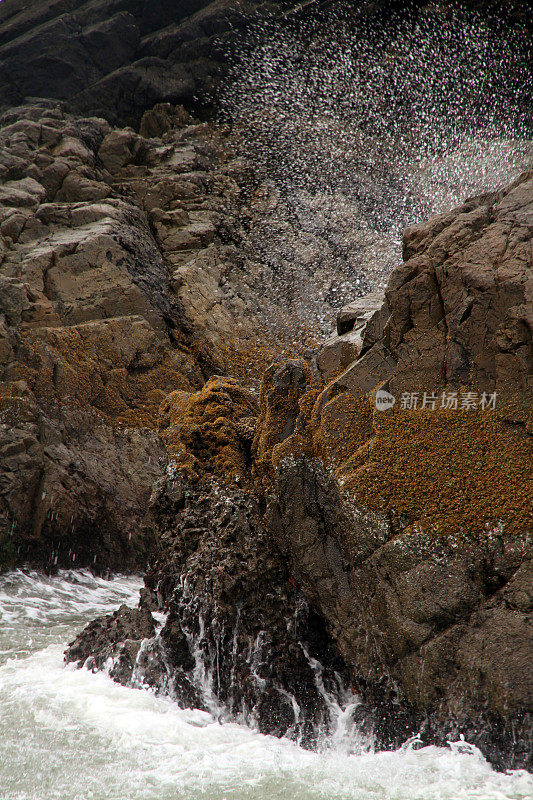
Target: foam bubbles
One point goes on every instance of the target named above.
(71, 734)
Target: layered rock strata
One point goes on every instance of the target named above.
(132, 265)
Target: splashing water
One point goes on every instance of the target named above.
(367, 127)
(74, 735)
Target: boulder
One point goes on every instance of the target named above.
(113, 642)
(356, 314)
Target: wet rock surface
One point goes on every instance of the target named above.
(113, 642)
(239, 640)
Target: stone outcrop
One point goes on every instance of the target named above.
(406, 530)
(410, 528)
(87, 345)
(304, 543)
(113, 642)
(131, 267)
(233, 605)
(343, 347)
(460, 306)
(117, 59)
(238, 640)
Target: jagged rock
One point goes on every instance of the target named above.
(357, 321)
(358, 313)
(410, 614)
(116, 60)
(238, 639)
(85, 315)
(409, 530)
(234, 617)
(418, 573)
(460, 306)
(113, 641)
(338, 352)
(120, 284)
(163, 118)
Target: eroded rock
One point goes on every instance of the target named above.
(113, 642)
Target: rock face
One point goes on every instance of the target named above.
(239, 640)
(304, 543)
(461, 305)
(87, 348)
(116, 59)
(131, 267)
(410, 528)
(259, 650)
(438, 634)
(407, 531)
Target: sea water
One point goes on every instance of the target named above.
(69, 734)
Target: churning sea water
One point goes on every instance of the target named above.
(67, 734)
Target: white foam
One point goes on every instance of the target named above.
(70, 734)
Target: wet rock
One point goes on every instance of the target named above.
(235, 619)
(113, 642)
(349, 545)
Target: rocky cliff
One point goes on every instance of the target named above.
(117, 59)
(338, 535)
(132, 265)
(405, 527)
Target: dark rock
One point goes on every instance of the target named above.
(235, 615)
(105, 58)
(113, 642)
